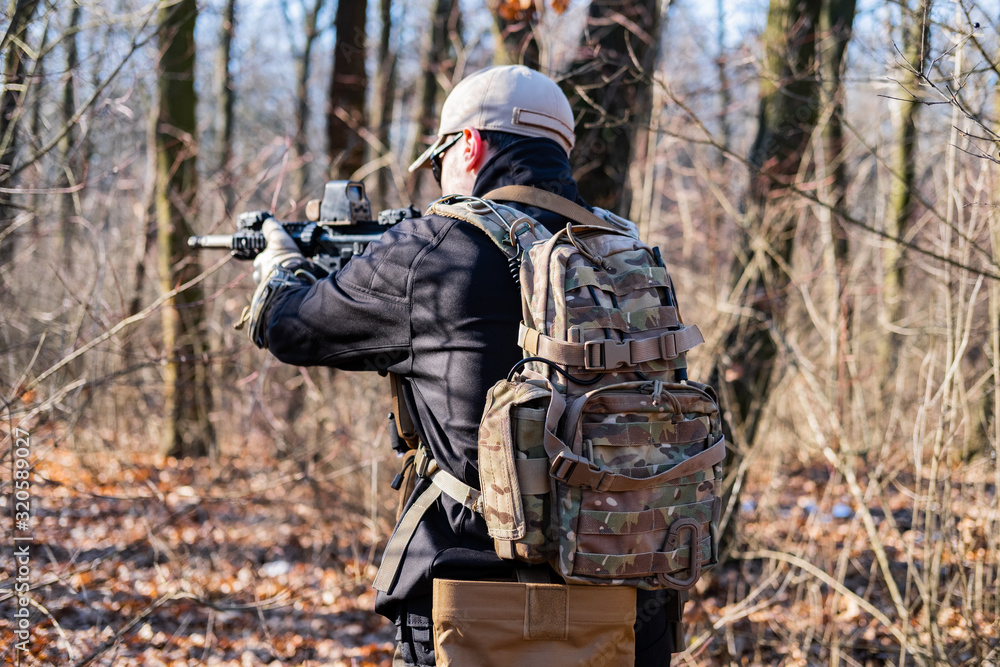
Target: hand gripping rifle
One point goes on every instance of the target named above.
(336, 229)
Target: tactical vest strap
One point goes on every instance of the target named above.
(394, 550)
(441, 482)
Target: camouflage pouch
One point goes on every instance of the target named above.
(638, 493)
(514, 470)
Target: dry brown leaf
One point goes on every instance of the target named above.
(516, 10)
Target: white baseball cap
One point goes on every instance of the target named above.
(508, 98)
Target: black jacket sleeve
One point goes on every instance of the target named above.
(359, 318)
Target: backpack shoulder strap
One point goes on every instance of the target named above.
(524, 194)
(508, 228)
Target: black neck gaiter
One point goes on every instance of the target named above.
(540, 163)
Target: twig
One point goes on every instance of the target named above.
(811, 569)
(127, 629)
(135, 46)
(840, 212)
(62, 633)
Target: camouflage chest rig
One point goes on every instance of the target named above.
(596, 454)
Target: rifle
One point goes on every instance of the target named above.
(335, 230)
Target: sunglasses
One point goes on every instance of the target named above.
(437, 155)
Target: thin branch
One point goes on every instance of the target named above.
(843, 214)
(141, 315)
(127, 629)
(135, 46)
(811, 569)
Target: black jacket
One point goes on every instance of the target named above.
(433, 301)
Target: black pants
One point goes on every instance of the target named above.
(657, 616)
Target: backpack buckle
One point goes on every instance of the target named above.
(602, 355)
(424, 464)
(668, 346)
(576, 471)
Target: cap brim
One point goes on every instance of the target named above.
(425, 157)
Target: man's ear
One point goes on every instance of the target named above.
(473, 149)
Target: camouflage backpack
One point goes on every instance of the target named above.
(596, 454)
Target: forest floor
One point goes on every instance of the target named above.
(245, 562)
(236, 562)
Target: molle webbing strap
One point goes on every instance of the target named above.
(609, 354)
(523, 194)
(457, 490)
(575, 470)
(676, 560)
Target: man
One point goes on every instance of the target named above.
(433, 302)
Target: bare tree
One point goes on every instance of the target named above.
(38, 74)
(438, 65)
(835, 27)
(71, 156)
(916, 51)
(310, 31)
(187, 400)
(385, 98)
(12, 99)
(345, 117)
(789, 108)
(227, 101)
(611, 80)
(725, 94)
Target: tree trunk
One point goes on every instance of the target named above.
(187, 400)
(438, 65)
(385, 97)
(835, 29)
(345, 116)
(725, 138)
(611, 82)
(227, 101)
(15, 68)
(38, 73)
(71, 159)
(916, 47)
(985, 414)
(303, 70)
(789, 106)
(514, 35)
